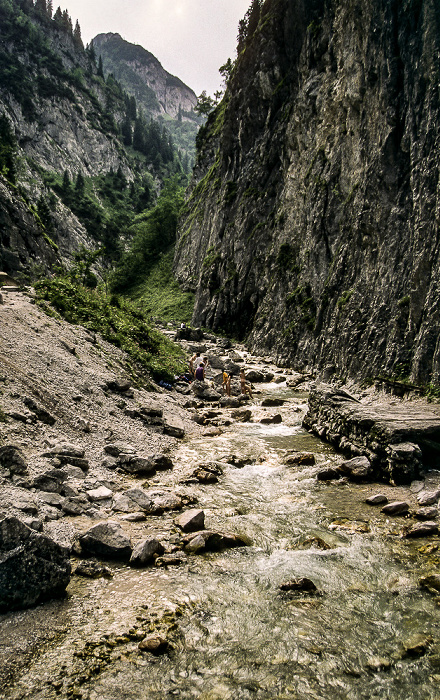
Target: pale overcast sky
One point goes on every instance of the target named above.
(191, 38)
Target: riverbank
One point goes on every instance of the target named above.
(147, 458)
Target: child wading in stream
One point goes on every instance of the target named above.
(226, 386)
(245, 388)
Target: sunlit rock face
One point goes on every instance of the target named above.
(312, 221)
(156, 90)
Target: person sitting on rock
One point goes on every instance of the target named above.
(194, 363)
(200, 372)
(226, 386)
(245, 388)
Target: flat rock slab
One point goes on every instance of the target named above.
(413, 429)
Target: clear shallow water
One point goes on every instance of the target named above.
(238, 636)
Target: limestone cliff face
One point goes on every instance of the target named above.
(312, 225)
(139, 69)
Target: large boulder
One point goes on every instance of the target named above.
(12, 458)
(107, 540)
(32, 566)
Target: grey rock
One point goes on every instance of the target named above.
(133, 464)
(51, 499)
(32, 566)
(107, 540)
(229, 402)
(377, 500)
(427, 513)
(424, 529)
(101, 493)
(242, 415)
(140, 498)
(12, 458)
(191, 521)
(428, 498)
(204, 392)
(272, 401)
(196, 544)
(272, 420)
(146, 551)
(118, 448)
(173, 426)
(396, 508)
(42, 415)
(357, 469)
(65, 449)
(255, 377)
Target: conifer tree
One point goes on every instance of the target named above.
(100, 68)
(58, 17)
(41, 7)
(66, 181)
(77, 36)
(80, 184)
(67, 22)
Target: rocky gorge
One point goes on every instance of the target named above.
(305, 221)
(165, 513)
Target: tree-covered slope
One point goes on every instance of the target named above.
(162, 96)
(77, 159)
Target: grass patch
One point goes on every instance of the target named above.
(118, 321)
(160, 296)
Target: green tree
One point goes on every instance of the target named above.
(205, 104)
(100, 68)
(8, 146)
(80, 184)
(77, 36)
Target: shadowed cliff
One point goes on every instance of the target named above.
(311, 226)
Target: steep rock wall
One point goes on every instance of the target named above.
(311, 227)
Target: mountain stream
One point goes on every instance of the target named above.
(368, 631)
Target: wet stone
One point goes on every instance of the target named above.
(298, 584)
(424, 529)
(154, 644)
(396, 508)
(431, 582)
(272, 420)
(93, 569)
(377, 500)
(427, 513)
(328, 474)
(301, 459)
(357, 469)
(428, 498)
(107, 539)
(145, 552)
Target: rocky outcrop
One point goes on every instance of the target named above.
(310, 226)
(156, 90)
(32, 566)
(392, 442)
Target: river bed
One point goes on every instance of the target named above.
(234, 634)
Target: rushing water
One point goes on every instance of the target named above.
(237, 635)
